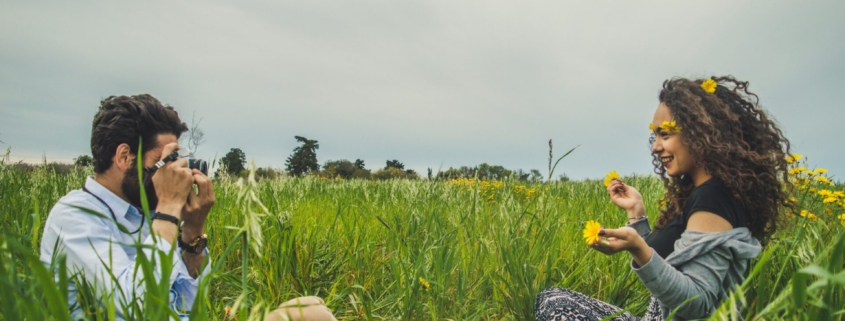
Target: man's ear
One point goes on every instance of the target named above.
(123, 158)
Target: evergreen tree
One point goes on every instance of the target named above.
(304, 158)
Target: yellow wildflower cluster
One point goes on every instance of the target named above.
(832, 197)
(802, 177)
(808, 215)
(425, 284)
(489, 190)
(523, 192)
(815, 185)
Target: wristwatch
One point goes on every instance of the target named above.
(196, 246)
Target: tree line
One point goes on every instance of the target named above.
(303, 162)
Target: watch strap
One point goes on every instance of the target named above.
(166, 217)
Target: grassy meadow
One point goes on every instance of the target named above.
(422, 250)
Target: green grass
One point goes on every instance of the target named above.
(364, 245)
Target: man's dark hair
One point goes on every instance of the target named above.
(122, 119)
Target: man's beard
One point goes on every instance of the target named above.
(131, 187)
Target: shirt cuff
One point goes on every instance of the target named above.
(642, 226)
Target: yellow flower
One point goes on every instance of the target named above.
(793, 158)
(812, 190)
(839, 194)
(825, 193)
(822, 179)
(830, 200)
(610, 177)
(651, 126)
(591, 232)
(709, 85)
(821, 170)
(425, 284)
(793, 199)
(808, 215)
(671, 127)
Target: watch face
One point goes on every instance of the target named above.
(195, 247)
(199, 247)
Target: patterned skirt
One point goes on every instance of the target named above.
(556, 304)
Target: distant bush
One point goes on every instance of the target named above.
(58, 168)
(393, 172)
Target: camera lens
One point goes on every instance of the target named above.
(199, 165)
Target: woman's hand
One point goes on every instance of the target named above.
(624, 239)
(627, 198)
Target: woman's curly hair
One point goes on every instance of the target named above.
(737, 142)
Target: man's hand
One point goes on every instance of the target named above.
(309, 308)
(172, 183)
(197, 207)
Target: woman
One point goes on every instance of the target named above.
(722, 161)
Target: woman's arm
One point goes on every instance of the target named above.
(699, 281)
(700, 278)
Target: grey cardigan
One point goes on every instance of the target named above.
(706, 265)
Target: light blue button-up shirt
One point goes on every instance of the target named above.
(95, 245)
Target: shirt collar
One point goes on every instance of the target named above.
(126, 214)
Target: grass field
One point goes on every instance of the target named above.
(421, 250)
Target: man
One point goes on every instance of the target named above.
(99, 227)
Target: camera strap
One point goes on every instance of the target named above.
(152, 169)
(121, 227)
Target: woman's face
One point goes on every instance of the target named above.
(668, 145)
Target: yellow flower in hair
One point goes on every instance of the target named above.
(591, 232)
(610, 177)
(670, 126)
(709, 85)
(651, 126)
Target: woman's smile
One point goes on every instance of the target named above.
(666, 160)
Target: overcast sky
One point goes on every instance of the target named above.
(432, 83)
